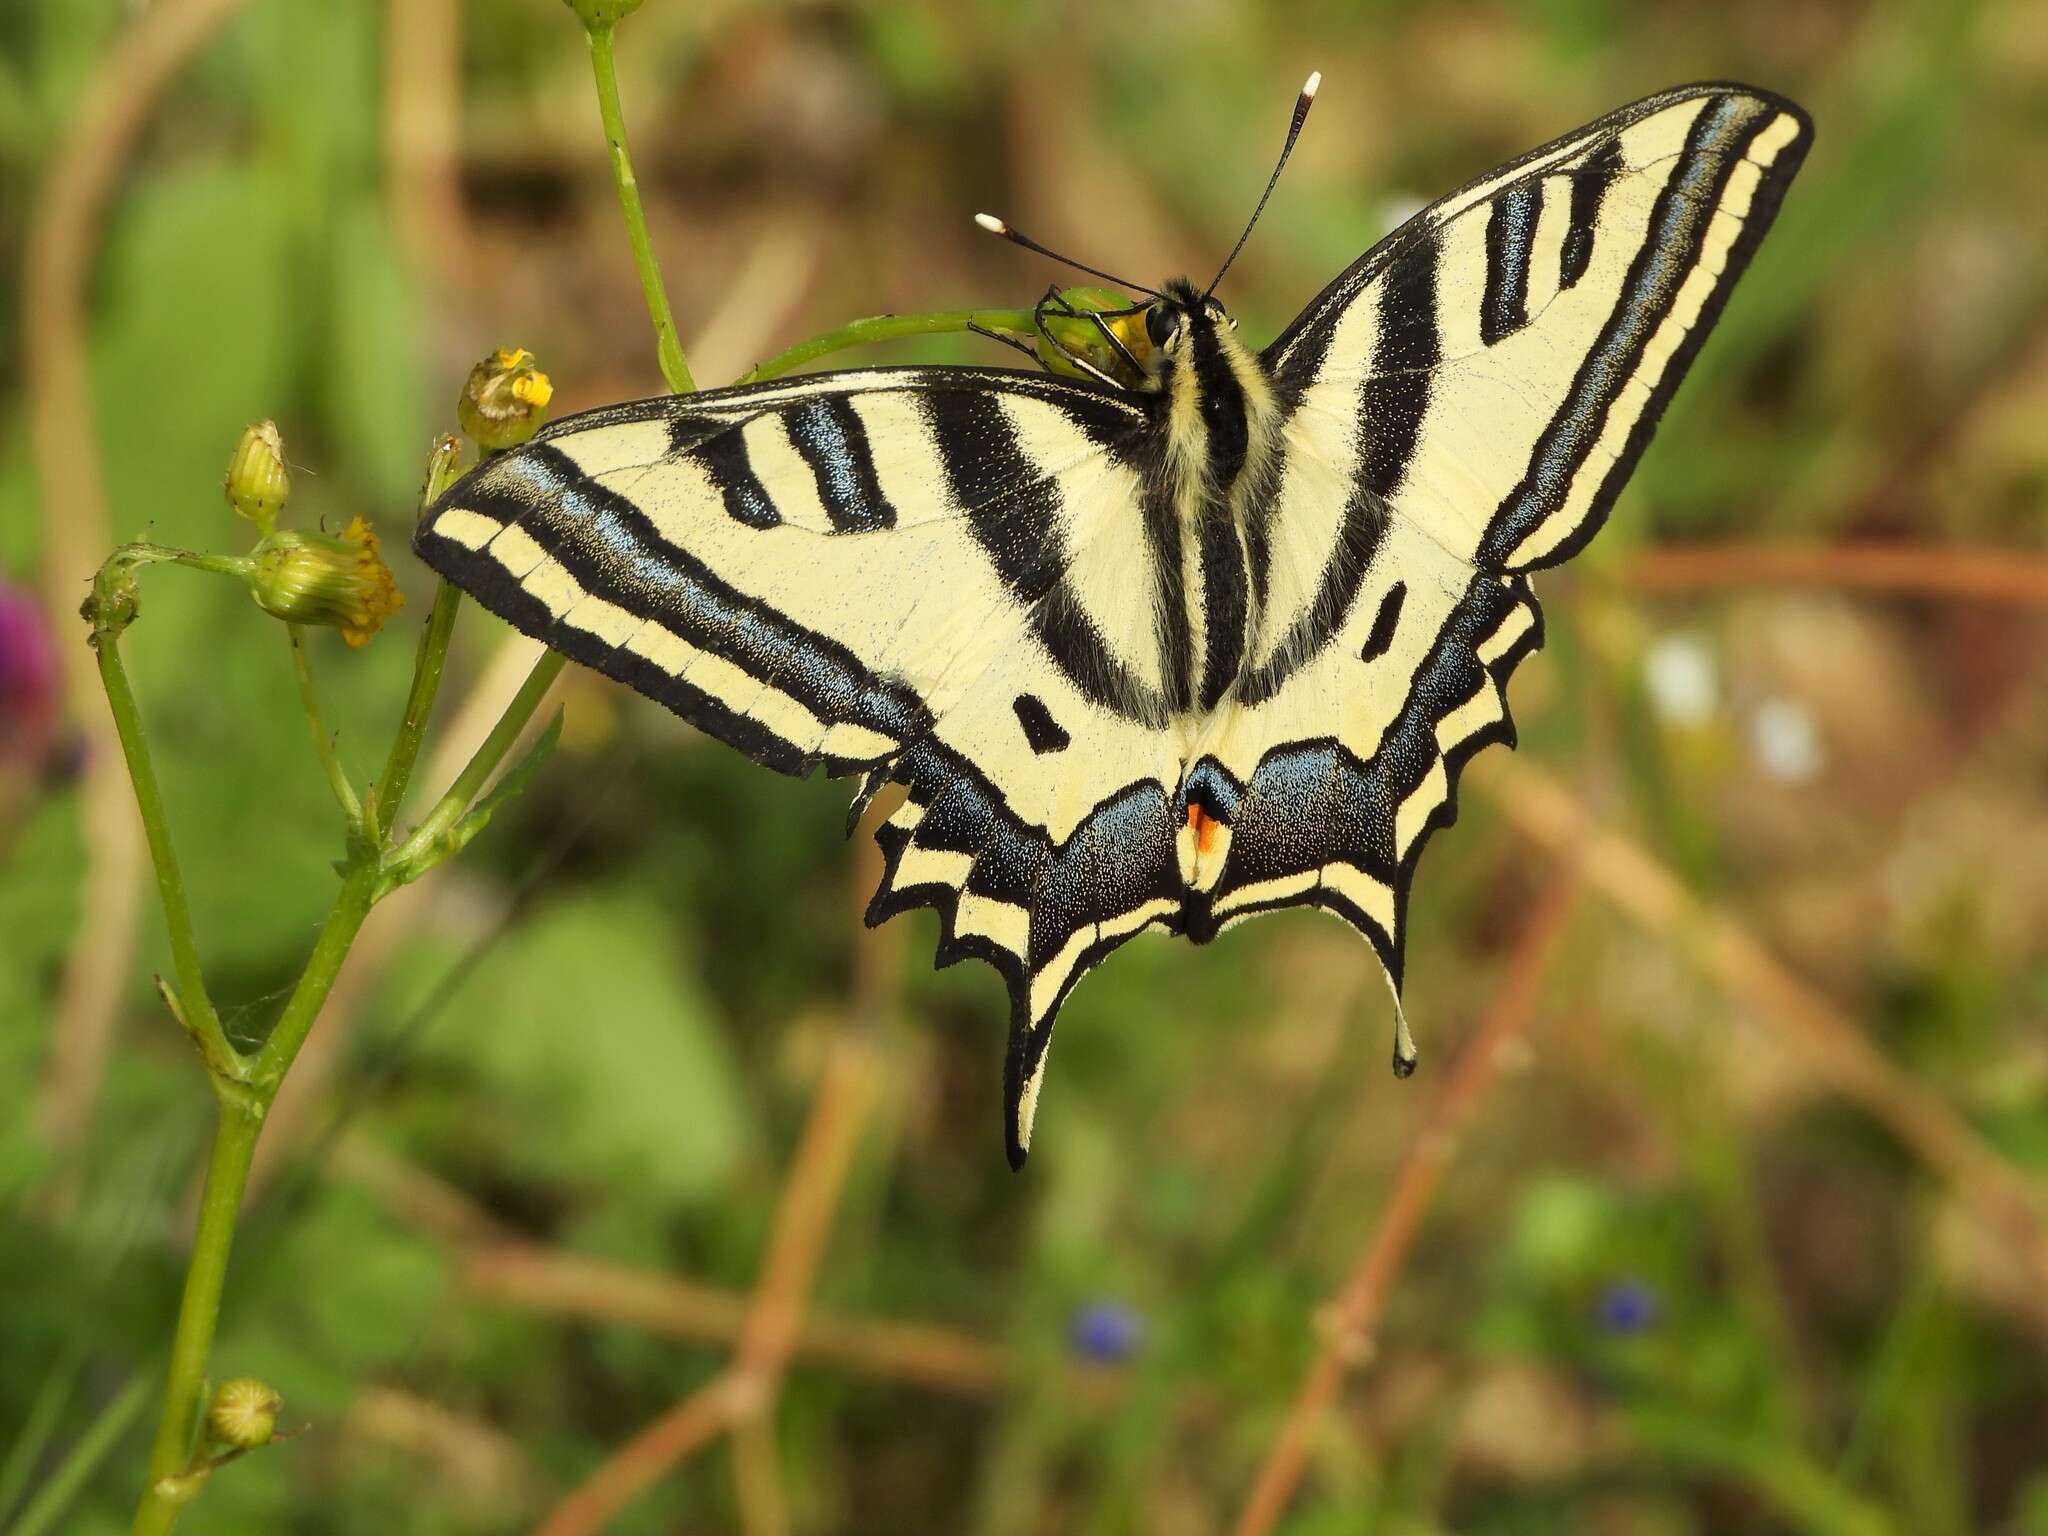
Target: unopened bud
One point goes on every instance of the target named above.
(243, 1413)
(505, 400)
(321, 578)
(258, 484)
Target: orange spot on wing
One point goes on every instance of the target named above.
(1204, 826)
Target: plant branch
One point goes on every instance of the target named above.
(108, 609)
(57, 268)
(1646, 891)
(429, 662)
(746, 1391)
(1017, 322)
(323, 739)
(428, 842)
(1352, 1317)
(242, 1111)
(168, 1488)
(570, 1285)
(667, 347)
(768, 1334)
(388, 793)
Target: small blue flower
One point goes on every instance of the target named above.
(1627, 1306)
(1106, 1332)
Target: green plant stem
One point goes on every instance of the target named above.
(75, 1472)
(323, 739)
(243, 1108)
(197, 1006)
(1016, 322)
(351, 905)
(667, 347)
(416, 849)
(389, 792)
(220, 1201)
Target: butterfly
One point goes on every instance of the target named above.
(1186, 632)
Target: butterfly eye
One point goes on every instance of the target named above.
(1161, 323)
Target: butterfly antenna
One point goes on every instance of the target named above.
(996, 226)
(1302, 103)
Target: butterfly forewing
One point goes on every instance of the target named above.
(1503, 358)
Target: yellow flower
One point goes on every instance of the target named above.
(319, 578)
(505, 400)
(257, 483)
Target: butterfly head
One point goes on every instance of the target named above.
(1180, 311)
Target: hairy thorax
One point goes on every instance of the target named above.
(1221, 427)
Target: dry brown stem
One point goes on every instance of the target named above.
(1971, 575)
(423, 130)
(1351, 1318)
(920, 1354)
(77, 534)
(768, 1334)
(1643, 889)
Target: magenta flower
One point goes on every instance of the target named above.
(29, 684)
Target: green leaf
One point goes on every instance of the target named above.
(606, 1061)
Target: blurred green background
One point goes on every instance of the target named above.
(1674, 1281)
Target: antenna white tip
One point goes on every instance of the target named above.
(991, 223)
(1315, 83)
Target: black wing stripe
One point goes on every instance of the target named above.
(1395, 398)
(1679, 222)
(1384, 623)
(1590, 184)
(721, 447)
(1013, 507)
(829, 438)
(606, 543)
(1510, 242)
(1225, 602)
(1163, 535)
(1358, 543)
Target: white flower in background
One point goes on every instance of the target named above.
(1397, 208)
(1683, 681)
(1786, 741)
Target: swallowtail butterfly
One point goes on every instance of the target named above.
(1203, 633)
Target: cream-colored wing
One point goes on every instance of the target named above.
(916, 575)
(1500, 362)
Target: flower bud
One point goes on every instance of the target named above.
(243, 1413)
(319, 578)
(257, 484)
(1084, 339)
(505, 400)
(597, 15)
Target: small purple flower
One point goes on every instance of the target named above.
(1106, 1332)
(1627, 1306)
(28, 681)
